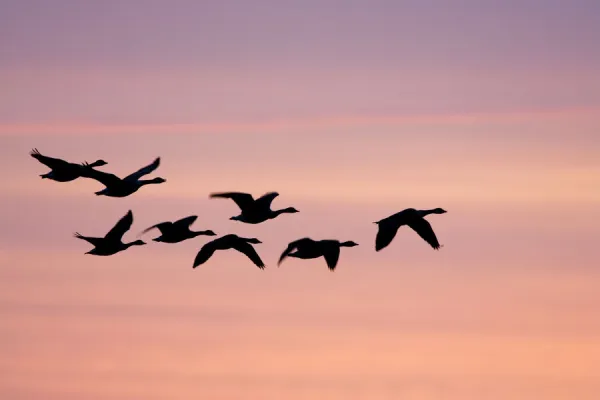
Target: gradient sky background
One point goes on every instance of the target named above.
(352, 110)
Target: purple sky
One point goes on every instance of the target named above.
(193, 61)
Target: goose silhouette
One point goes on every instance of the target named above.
(388, 227)
(178, 231)
(117, 187)
(112, 242)
(61, 170)
(254, 211)
(307, 248)
(231, 241)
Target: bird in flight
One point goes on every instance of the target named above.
(254, 211)
(307, 248)
(388, 227)
(123, 187)
(61, 170)
(112, 242)
(178, 231)
(231, 241)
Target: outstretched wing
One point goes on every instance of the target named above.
(162, 227)
(424, 229)
(205, 253)
(243, 200)
(49, 161)
(92, 240)
(184, 223)
(143, 171)
(117, 232)
(248, 250)
(385, 234)
(103, 177)
(266, 199)
(293, 246)
(331, 253)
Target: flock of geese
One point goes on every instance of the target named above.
(252, 211)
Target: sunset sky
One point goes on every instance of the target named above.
(352, 111)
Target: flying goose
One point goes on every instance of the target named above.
(307, 248)
(178, 231)
(388, 227)
(61, 170)
(231, 241)
(122, 187)
(112, 242)
(254, 211)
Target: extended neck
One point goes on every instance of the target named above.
(97, 163)
(198, 233)
(142, 182)
(427, 212)
(288, 210)
(134, 243)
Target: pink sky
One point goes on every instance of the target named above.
(490, 113)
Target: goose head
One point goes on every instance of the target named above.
(439, 211)
(98, 163)
(349, 243)
(136, 243)
(156, 180)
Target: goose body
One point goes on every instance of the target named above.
(61, 170)
(235, 242)
(254, 211)
(388, 227)
(123, 187)
(112, 242)
(307, 248)
(178, 231)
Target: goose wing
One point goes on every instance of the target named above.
(266, 199)
(205, 253)
(248, 250)
(163, 227)
(243, 200)
(184, 223)
(143, 171)
(92, 240)
(385, 234)
(50, 162)
(293, 246)
(424, 229)
(122, 226)
(331, 253)
(104, 178)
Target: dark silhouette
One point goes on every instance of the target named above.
(62, 171)
(307, 248)
(254, 211)
(178, 231)
(112, 242)
(388, 227)
(243, 245)
(117, 187)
